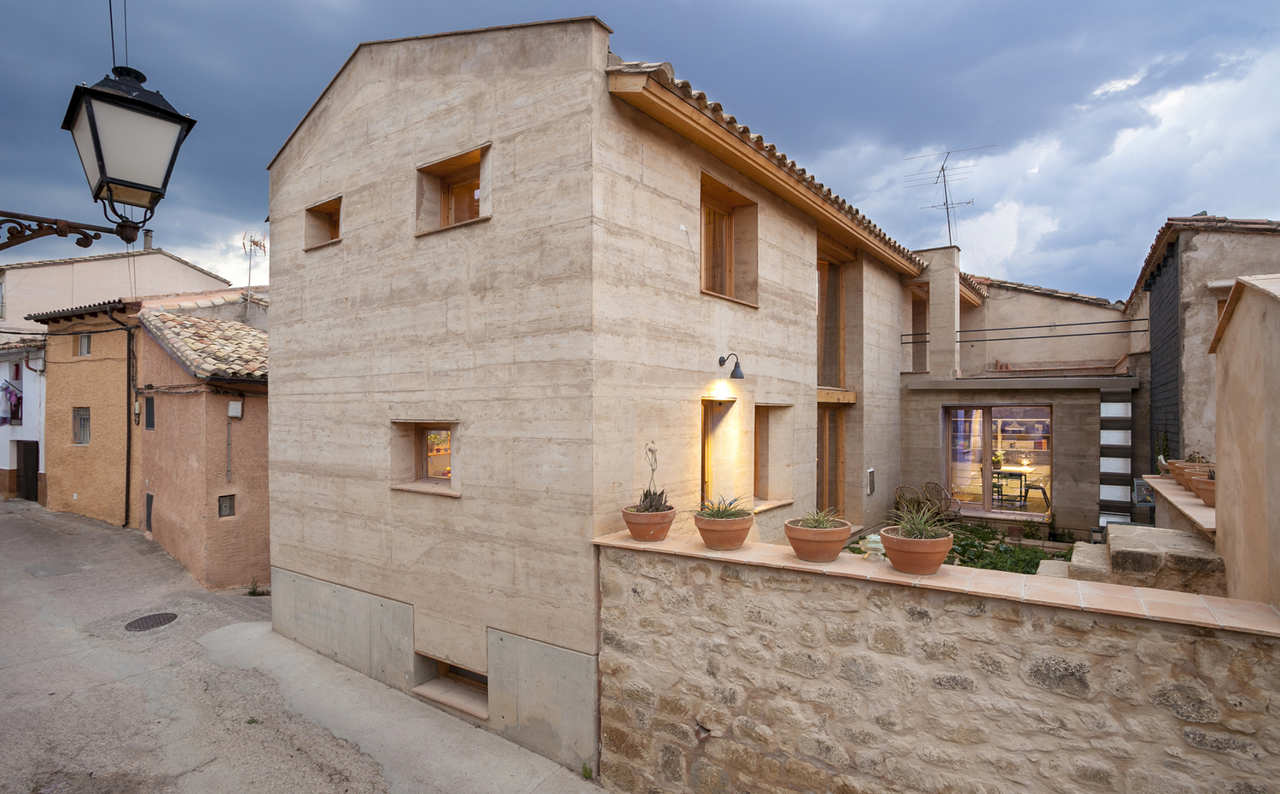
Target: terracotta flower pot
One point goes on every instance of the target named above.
(648, 526)
(818, 544)
(723, 534)
(1188, 470)
(1206, 489)
(914, 556)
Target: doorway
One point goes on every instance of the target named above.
(29, 470)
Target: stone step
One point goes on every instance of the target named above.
(1056, 568)
(1170, 559)
(1089, 562)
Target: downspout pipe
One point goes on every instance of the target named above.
(128, 413)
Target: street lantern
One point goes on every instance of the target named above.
(128, 139)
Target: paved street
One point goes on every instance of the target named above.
(210, 702)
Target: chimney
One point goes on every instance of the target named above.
(146, 240)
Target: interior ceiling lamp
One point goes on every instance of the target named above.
(736, 374)
(128, 139)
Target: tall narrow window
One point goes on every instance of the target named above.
(435, 449)
(453, 191)
(84, 344)
(323, 223)
(919, 334)
(729, 243)
(150, 411)
(965, 447)
(79, 425)
(831, 458)
(716, 450)
(831, 326)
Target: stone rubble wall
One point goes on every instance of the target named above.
(718, 676)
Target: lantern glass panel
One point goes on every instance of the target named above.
(83, 137)
(137, 148)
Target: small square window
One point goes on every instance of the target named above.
(453, 191)
(423, 457)
(150, 411)
(79, 425)
(226, 505)
(84, 344)
(324, 223)
(729, 244)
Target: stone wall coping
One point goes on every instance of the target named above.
(1204, 517)
(1146, 603)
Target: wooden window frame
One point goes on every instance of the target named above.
(420, 432)
(826, 272)
(720, 200)
(440, 179)
(823, 498)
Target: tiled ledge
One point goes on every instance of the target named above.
(1192, 507)
(1147, 603)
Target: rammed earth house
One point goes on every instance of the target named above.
(506, 259)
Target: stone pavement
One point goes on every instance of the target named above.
(211, 702)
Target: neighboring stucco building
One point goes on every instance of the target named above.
(93, 410)
(1246, 347)
(503, 261)
(200, 446)
(22, 418)
(45, 285)
(1182, 287)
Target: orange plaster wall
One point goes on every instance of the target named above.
(183, 463)
(86, 479)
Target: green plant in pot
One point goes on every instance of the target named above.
(819, 535)
(650, 519)
(724, 523)
(997, 459)
(919, 541)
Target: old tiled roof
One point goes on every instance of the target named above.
(974, 283)
(71, 312)
(1017, 285)
(664, 74)
(116, 255)
(186, 301)
(22, 343)
(1196, 223)
(210, 348)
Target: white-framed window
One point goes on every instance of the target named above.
(80, 426)
(84, 344)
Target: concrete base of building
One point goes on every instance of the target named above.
(541, 696)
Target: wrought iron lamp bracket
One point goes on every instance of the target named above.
(21, 228)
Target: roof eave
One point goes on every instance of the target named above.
(645, 93)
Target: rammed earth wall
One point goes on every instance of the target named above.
(721, 676)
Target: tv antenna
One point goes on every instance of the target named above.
(944, 175)
(251, 244)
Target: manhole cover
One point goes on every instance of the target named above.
(148, 622)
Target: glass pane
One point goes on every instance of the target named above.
(464, 199)
(437, 449)
(1022, 457)
(965, 454)
(136, 147)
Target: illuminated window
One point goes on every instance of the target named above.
(435, 450)
(453, 190)
(1001, 457)
(729, 245)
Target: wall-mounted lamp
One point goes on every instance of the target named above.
(736, 374)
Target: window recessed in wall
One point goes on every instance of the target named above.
(1001, 457)
(423, 456)
(79, 425)
(226, 505)
(323, 223)
(454, 190)
(729, 243)
(150, 411)
(718, 449)
(773, 438)
(84, 344)
(831, 325)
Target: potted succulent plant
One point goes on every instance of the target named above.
(724, 523)
(818, 536)
(920, 540)
(651, 518)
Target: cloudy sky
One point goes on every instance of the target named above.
(1101, 118)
